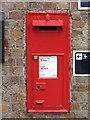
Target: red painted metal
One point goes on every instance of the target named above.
(47, 23)
(48, 94)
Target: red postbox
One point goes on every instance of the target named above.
(48, 61)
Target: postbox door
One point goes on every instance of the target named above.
(48, 61)
(48, 81)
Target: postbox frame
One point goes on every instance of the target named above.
(66, 100)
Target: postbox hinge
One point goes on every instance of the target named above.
(61, 107)
(26, 86)
(32, 89)
(70, 14)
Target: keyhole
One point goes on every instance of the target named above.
(38, 87)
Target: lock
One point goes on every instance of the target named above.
(40, 86)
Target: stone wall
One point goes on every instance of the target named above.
(14, 68)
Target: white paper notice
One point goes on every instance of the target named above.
(47, 66)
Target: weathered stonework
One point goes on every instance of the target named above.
(14, 68)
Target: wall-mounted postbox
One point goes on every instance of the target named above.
(48, 61)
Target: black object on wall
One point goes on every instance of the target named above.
(1, 37)
(82, 63)
(85, 3)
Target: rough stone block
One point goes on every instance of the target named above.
(16, 53)
(35, 6)
(17, 107)
(19, 44)
(80, 88)
(17, 71)
(84, 106)
(19, 62)
(21, 6)
(4, 107)
(63, 5)
(49, 6)
(74, 6)
(79, 44)
(75, 106)
(76, 33)
(80, 97)
(6, 36)
(16, 34)
(16, 15)
(6, 6)
(78, 24)
(81, 114)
